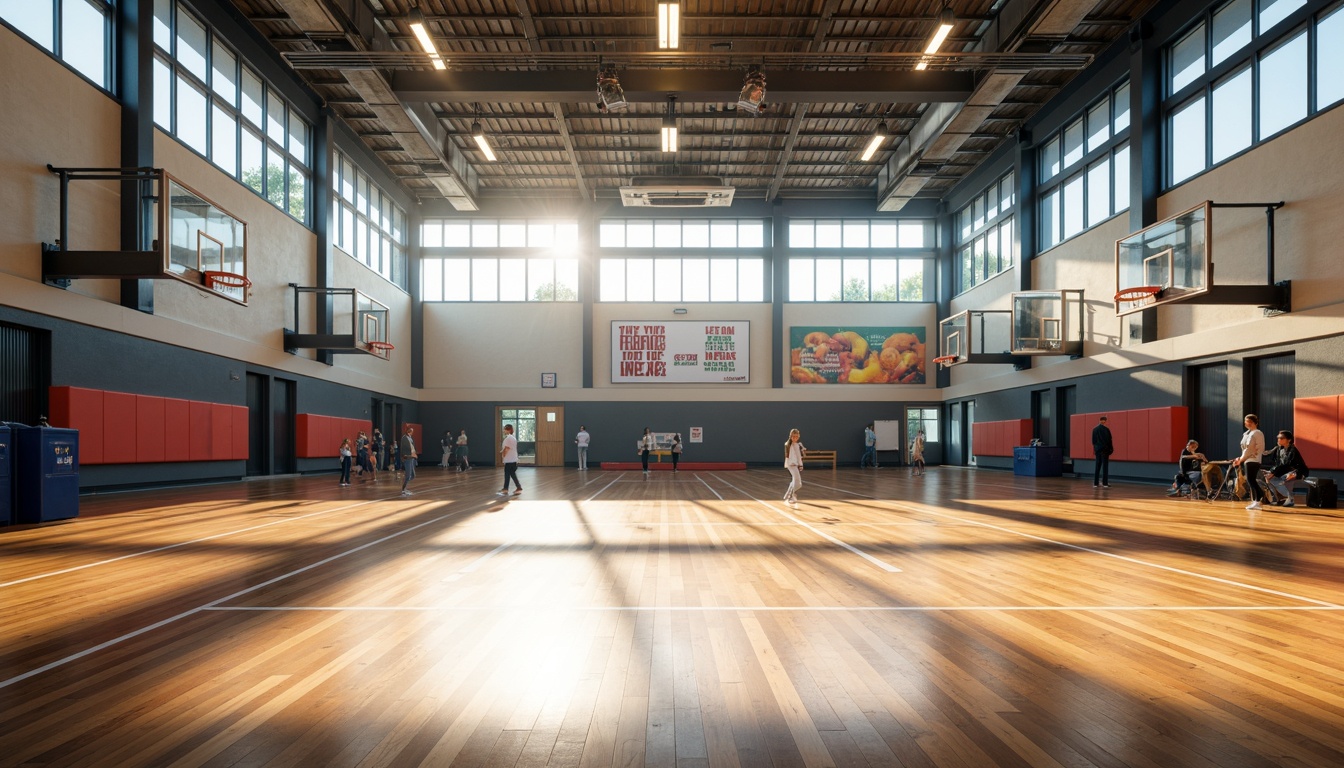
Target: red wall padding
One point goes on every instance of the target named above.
(124, 428)
(1144, 434)
(318, 436)
(1317, 432)
(998, 438)
(82, 409)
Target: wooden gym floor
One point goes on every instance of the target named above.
(960, 619)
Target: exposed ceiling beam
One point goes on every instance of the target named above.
(578, 86)
(569, 151)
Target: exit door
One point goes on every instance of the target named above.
(540, 431)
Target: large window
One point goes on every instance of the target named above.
(984, 233)
(462, 260)
(859, 233)
(1084, 171)
(667, 278)
(79, 32)
(366, 222)
(221, 108)
(681, 233)
(858, 279)
(1245, 73)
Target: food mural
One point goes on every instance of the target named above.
(856, 355)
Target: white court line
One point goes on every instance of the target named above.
(167, 547)
(476, 564)
(779, 608)
(600, 490)
(884, 566)
(711, 490)
(1103, 553)
(213, 604)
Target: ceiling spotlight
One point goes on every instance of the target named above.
(669, 25)
(420, 28)
(478, 134)
(610, 95)
(669, 132)
(879, 136)
(752, 97)
(945, 22)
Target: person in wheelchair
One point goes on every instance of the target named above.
(1288, 468)
(1189, 474)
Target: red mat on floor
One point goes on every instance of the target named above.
(685, 466)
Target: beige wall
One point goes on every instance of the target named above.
(473, 351)
(61, 119)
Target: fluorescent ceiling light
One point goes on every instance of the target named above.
(420, 29)
(945, 22)
(879, 136)
(669, 25)
(669, 133)
(478, 134)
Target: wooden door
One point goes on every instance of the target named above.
(550, 436)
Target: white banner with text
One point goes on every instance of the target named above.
(681, 352)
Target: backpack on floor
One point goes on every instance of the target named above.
(1322, 493)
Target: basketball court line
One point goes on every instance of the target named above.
(889, 568)
(225, 534)
(1103, 553)
(213, 603)
(476, 564)
(773, 608)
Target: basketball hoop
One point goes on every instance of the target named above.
(945, 361)
(380, 348)
(1139, 295)
(218, 281)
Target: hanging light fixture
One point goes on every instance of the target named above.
(478, 134)
(669, 25)
(874, 143)
(946, 20)
(420, 28)
(610, 95)
(669, 132)
(752, 96)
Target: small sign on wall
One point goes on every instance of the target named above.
(697, 435)
(548, 381)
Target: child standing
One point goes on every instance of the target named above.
(793, 461)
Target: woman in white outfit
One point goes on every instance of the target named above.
(793, 461)
(1252, 449)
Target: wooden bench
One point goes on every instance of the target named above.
(819, 456)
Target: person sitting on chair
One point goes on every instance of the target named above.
(1188, 474)
(1289, 467)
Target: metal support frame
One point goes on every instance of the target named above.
(326, 340)
(60, 264)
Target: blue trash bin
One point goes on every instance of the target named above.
(1038, 461)
(6, 475)
(47, 477)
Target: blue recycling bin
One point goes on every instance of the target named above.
(1038, 461)
(47, 477)
(6, 476)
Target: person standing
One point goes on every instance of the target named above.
(1102, 448)
(917, 454)
(462, 463)
(446, 444)
(508, 456)
(676, 450)
(581, 440)
(379, 449)
(646, 445)
(869, 448)
(346, 456)
(793, 461)
(1252, 449)
(408, 458)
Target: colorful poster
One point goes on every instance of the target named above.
(680, 352)
(856, 355)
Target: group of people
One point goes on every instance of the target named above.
(1285, 467)
(647, 444)
(869, 458)
(369, 454)
(454, 451)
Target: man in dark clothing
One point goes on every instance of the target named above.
(1102, 448)
(1289, 467)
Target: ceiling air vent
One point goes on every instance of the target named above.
(677, 192)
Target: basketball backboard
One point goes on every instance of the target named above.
(207, 246)
(1172, 257)
(976, 336)
(1047, 323)
(358, 322)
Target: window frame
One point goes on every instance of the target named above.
(1058, 189)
